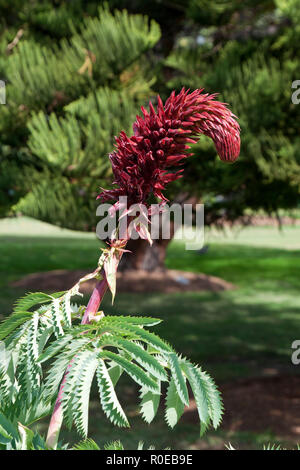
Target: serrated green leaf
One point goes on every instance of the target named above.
(28, 415)
(207, 389)
(44, 336)
(87, 444)
(15, 338)
(142, 321)
(178, 378)
(66, 309)
(30, 300)
(140, 334)
(174, 405)
(38, 442)
(7, 427)
(215, 407)
(80, 403)
(68, 392)
(115, 445)
(140, 355)
(108, 397)
(115, 372)
(58, 368)
(56, 318)
(33, 370)
(138, 375)
(11, 323)
(200, 394)
(149, 404)
(54, 348)
(151, 338)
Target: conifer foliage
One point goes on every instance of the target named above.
(71, 90)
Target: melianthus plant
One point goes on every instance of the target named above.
(77, 343)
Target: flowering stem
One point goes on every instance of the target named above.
(57, 415)
(91, 310)
(95, 301)
(140, 164)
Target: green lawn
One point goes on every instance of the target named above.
(233, 334)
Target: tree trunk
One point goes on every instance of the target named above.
(143, 256)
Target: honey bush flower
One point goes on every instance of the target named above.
(145, 162)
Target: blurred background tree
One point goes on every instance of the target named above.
(246, 51)
(76, 75)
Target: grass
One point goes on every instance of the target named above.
(233, 334)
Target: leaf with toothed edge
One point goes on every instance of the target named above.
(138, 374)
(108, 397)
(67, 309)
(178, 378)
(33, 369)
(32, 299)
(199, 394)
(139, 354)
(149, 404)
(174, 405)
(206, 395)
(115, 372)
(58, 367)
(13, 322)
(80, 404)
(212, 394)
(56, 318)
(54, 348)
(141, 321)
(139, 334)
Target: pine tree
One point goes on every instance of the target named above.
(246, 51)
(253, 68)
(75, 77)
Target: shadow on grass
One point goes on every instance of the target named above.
(231, 334)
(259, 319)
(245, 266)
(218, 327)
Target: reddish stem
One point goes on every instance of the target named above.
(95, 301)
(57, 415)
(91, 310)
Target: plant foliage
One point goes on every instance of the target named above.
(43, 337)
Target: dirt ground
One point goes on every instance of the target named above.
(168, 281)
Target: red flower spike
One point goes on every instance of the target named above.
(161, 139)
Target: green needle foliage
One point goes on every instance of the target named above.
(233, 48)
(70, 90)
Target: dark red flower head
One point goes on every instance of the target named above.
(161, 138)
